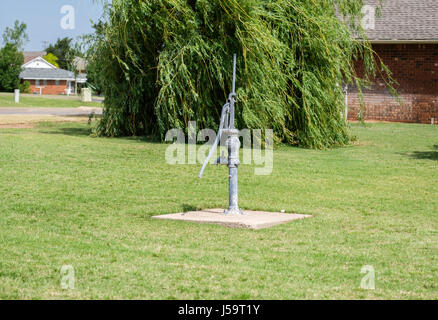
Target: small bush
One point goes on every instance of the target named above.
(24, 87)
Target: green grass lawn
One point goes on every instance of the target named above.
(70, 199)
(7, 100)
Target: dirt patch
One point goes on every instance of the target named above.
(31, 121)
(16, 125)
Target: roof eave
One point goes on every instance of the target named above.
(39, 58)
(37, 78)
(400, 41)
(404, 41)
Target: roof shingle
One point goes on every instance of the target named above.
(30, 55)
(405, 20)
(46, 73)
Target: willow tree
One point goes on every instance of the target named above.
(167, 62)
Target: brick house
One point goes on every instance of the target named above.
(45, 78)
(405, 37)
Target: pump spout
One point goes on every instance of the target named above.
(225, 110)
(226, 121)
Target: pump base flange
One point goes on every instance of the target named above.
(233, 211)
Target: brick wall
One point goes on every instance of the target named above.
(50, 87)
(415, 68)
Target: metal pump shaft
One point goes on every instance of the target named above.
(226, 127)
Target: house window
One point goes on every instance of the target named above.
(37, 83)
(57, 82)
(45, 82)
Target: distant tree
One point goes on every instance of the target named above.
(64, 50)
(16, 35)
(51, 58)
(11, 61)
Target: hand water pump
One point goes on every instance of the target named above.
(226, 128)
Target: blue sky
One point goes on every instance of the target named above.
(43, 19)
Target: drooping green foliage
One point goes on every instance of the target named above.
(93, 68)
(167, 62)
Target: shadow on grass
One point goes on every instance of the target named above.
(426, 155)
(187, 207)
(70, 131)
(149, 139)
(81, 130)
(87, 132)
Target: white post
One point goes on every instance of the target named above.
(17, 95)
(86, 95)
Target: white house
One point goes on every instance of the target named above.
(45, 78)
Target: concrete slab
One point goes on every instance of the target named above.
(250, 219)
